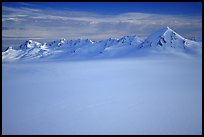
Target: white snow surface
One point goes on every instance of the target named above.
(147, 95)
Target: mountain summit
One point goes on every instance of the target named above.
(164, 39)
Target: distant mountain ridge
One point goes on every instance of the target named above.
(164, 39)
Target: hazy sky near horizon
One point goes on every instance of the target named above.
(98, 20)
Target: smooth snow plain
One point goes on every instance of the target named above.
(161, 95)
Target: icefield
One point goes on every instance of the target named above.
(146, 95)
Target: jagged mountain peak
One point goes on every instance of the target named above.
(29, 44)
(9, 48)
(165, 38)
(165, 32)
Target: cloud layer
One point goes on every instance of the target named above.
(50, 24)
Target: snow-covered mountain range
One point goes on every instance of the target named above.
(164, 40)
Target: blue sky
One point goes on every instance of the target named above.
(98, 20)
(194, 8)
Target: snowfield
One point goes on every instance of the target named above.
(112, 86)
(144, 95)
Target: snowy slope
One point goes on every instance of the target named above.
(164, 40)
(168, 39)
